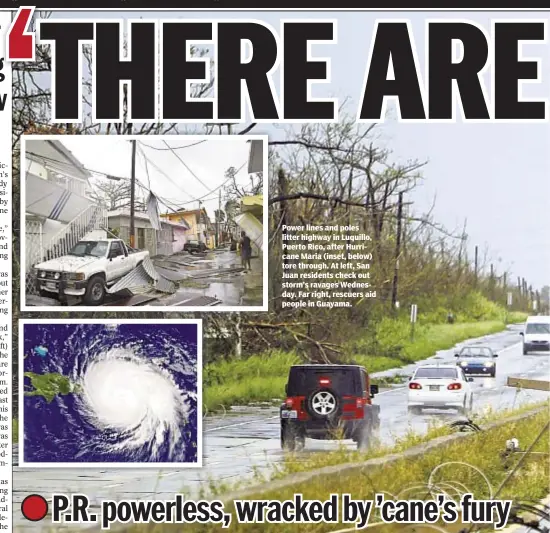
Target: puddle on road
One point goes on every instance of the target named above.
(211, 276)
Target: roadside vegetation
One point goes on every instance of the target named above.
(345, 175)
(294, 463)
(460, 464)
(261, 378)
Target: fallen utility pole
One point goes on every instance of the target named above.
(531, 384)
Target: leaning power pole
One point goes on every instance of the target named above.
(133, 197)
(397, 251)
(476, 258)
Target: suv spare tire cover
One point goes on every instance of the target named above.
(323, 403)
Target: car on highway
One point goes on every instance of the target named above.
(194, 246)
(536, 335)
(327, 402)
(477, 359)
(440, 386)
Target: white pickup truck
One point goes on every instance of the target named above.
(87, 270)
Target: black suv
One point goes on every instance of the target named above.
(326, 402)
(194, 246)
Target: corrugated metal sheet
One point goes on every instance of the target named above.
(206, 301)
(145, 275)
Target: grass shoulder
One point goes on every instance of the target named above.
(475, 464)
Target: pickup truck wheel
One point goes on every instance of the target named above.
(95, 291)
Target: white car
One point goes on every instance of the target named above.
(443, 386)
(536, 335)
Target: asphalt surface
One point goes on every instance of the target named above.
(246, 440)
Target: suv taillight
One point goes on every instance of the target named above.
(324, 381)
(415, 386)
(289, 402)
(360, 402)
(454, 386)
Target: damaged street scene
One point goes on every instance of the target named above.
(136, 222)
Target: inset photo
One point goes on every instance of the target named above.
(144, 222)
(110, 393)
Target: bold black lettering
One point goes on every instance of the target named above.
(175, 104)
(392, 43)
(67, 78)
(80, 508)
(296, 104)
(110, 70)
(509, 70)
(231, 72)
(60, 503)
(442, 70)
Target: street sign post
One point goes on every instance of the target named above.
(414, 310)
(508, 306)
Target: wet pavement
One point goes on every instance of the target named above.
(246, 440)
(210, 278)
(218, 274)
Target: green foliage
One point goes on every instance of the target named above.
(259, 378)
(465, 458)
(391, 345)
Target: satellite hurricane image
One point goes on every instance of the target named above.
(124, 393)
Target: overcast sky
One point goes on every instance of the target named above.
(175, 183)
(496, 176)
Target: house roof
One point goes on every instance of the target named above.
(258, 200)
(252, 204)
(195, 212)
(140, 215)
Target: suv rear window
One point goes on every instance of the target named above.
(345, 381)
(441, 373)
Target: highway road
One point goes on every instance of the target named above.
(246, 440)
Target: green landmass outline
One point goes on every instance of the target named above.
(50, 385)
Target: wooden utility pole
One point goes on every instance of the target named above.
(282, 186)
(397, 251)
(133, 197)
(218, 221)
(283, 213)
(476, 258)
(492, 282)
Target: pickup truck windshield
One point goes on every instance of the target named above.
(93, 248)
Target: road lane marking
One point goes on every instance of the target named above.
(517, 344)
(241, 423)
(391, 390)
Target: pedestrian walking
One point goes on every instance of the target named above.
(246, 250)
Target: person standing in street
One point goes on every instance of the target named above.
(246, 250)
